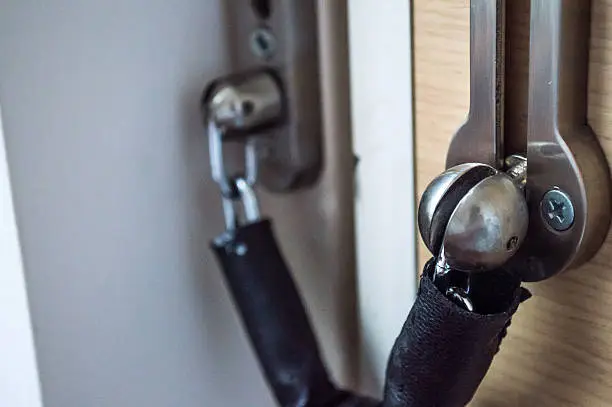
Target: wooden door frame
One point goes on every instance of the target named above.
(19, 379)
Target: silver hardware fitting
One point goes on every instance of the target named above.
(217, 162)
(250, 205)
(475, 217)
(567, 182)
(245, 105)
(234, 188)
(281, 36)
(240, 109)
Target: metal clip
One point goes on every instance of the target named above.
(217, 161)
(250, 205)
(235, 186)
(240, 108)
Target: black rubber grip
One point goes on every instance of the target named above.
(444, 351)
(274, 317)
(438, 360)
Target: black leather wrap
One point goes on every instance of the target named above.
(439, 358)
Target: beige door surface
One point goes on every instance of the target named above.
(559, 348)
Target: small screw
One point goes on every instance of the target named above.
(241, 249)
(557, 210)
(263, 43)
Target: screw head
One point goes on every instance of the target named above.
(263, 43)
(557, 210)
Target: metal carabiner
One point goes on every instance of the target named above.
(239, 109)
(237, 186)
(217, 161)
(250, 205)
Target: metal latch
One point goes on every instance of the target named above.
(241, 109)
(566, 176)
(273, 96)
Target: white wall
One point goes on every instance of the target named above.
(115, 208)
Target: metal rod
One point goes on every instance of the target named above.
(481, 138)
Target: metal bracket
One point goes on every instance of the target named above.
(568, 178)
(281, 36)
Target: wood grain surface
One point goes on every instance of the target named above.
(559, 348)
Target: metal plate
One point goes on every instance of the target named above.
(562, 150)
(287, 41)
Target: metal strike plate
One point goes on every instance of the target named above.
(282, 36)
(568, 178)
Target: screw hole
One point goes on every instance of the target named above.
(248, 107)
(262, 8)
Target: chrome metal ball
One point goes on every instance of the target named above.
(477, 215)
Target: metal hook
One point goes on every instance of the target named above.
(234, 187)
(250, 205)
(217, 161)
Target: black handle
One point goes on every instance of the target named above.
(444, 351)
(275, 319)
(438, 360)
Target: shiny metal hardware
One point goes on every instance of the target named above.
(474, 218)
(480, 139)
(245, 105)
(249, 205)
(431, 218)
(558, 210)
(263, 43)
(562, 152)
(282, 36)
(460, 297)
(249, 200)
(217, 162)
(240, 109)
